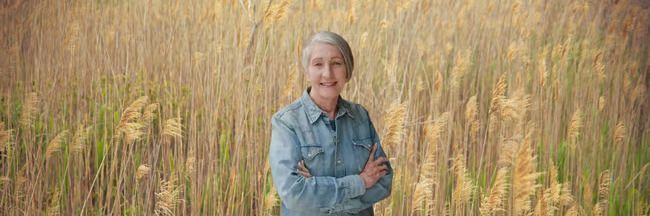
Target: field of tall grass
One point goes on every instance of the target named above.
(508, 107)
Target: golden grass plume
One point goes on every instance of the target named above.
(524, 178)
(574, 128)
(79, 139)
(471, 116)
(130, 125)
(493, 202)
(54, 145)
(29, 109)
(5, 139)
(167, 197)
(173, 128)
(142, 172)
(394, 120)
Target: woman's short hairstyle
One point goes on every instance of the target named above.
(334, 40)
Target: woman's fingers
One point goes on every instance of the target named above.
(301, 166)
(380, 174)
(302, 170)
(380, 161)
(304, 174)
(381, 168)
(371, 157)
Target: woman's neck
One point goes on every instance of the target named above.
(327, 105)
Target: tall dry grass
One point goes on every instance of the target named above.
(514, 107)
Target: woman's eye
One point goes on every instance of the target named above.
(318, 64)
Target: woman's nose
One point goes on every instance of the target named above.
(327, 71)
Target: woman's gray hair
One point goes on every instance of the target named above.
(334, 40)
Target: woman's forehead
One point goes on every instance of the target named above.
(321, 50)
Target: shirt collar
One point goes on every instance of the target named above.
(313, 112)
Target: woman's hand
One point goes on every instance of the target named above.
(302, 170)
(372, 172)
(374, 169)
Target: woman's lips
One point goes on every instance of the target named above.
(328, 84)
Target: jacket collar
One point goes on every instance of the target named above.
(314, 112)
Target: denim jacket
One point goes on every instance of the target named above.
(335, 156)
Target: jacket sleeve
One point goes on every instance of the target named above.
(383, 187)
(377, 192)
(320, 193)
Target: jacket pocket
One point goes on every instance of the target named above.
(363, 143)
(309, 153)
(362, 148)
(314, 159)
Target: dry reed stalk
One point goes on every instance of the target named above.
(168, 197)
(394, 120)
(352, 12)
(190, 165)
(546, 204)
(603, 193)
(130, 125)
(29, 109)
(5, 144)
(515, 49)
(437, 85)
(471, 116)
(173, 128)
(419, 85)
(403, 6)
(542, 70)
(276, 12)
(599, 67)
(619, 134)
(270, 200)
(574, 128)
(150, 113)
(142, 172)
(507, 152)
(566, 198)
(573, 211)
(493, 202)
(432, 134)
(601, 103)
(540, 207)
(288, 91)
(496, 104)
(461, 66)
(79, 140)
(54, 205)
(524, 178)
(424, 196)
(498, 94)
(464, 188)
(514, 109)
(54, 145)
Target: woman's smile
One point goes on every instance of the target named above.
(328, 84)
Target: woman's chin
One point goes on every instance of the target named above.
(329, 93)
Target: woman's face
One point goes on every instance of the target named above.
(326, 71)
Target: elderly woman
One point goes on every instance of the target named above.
(325, 154)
